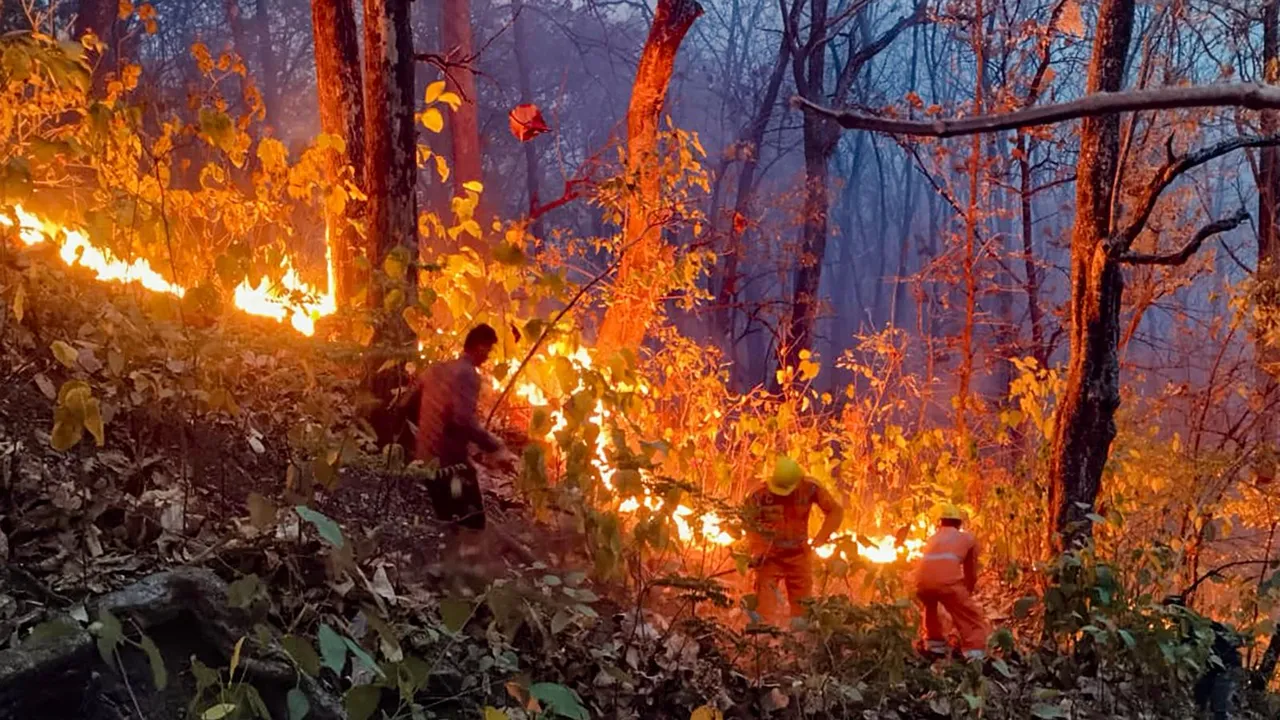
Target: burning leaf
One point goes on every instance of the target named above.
(526, 122)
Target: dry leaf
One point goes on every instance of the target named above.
(1072, 20)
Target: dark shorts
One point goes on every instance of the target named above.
(467, 508)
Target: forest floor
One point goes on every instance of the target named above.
(215, 493)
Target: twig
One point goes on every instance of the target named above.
(124, 675)
(547, 332)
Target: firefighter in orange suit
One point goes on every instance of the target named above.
(947, 576)
(777, 524)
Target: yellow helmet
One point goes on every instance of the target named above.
(786, 477)
(948, 511)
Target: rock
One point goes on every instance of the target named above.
(185, 612)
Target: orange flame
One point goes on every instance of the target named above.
(274, 301)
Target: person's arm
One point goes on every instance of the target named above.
(833, 515)
(971, 568)
(464, 412)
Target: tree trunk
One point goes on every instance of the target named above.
(1085, 423)
(1269, 282)
(971, 220)
(390, 164)
(532, 174)
(645, 258)
(464, 123)
(267, 58)
(1031, 282)
(338, 85)
(749, 144)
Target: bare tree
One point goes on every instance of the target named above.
(267, 58)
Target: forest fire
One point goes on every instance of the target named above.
(881, 550)
(292, 298)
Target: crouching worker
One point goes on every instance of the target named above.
(777, 524)
(448, 425)
(947, 576)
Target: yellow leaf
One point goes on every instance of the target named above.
(235, 657)
(19, 302)
(442, 167)
(65, 353)
(93, 421)
(434, 90)
(124, 8)
(273, 155)
(706, 712)
(452, 100)
(493, 713)
(66, 433)
(432, 118)
(474, 186)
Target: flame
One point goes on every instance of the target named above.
(709, 527)
(278, 301)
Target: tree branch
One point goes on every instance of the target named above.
(1175, 167)
(1183, 255)
(1246, 95)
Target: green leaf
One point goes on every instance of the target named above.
(362, 701)
(158, 672)
(242, 592)
(455, 613)
(1048, 711)
(332, 648)
(1127, 637)
(51, 630)
(66, 354)
(1022, 607)
(561, 700)
(327, 528)
(363, 657)
(109, 633)
(1002, 667)
(298, 704)
(219, 711)
(303, 654)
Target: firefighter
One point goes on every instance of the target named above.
(777, 515)
(946, 576)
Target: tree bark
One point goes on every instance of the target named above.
(645, 257)
(532, 173)
(390, 162)
(464, 123)
(270, 69)
(1085, 422)
(338, 85)
(1268, 279)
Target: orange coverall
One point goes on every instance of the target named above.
(947, 575)
(778, 536)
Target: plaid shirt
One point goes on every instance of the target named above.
(447, 422)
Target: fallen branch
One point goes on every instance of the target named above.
(1246, 95)
(1180, 257)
